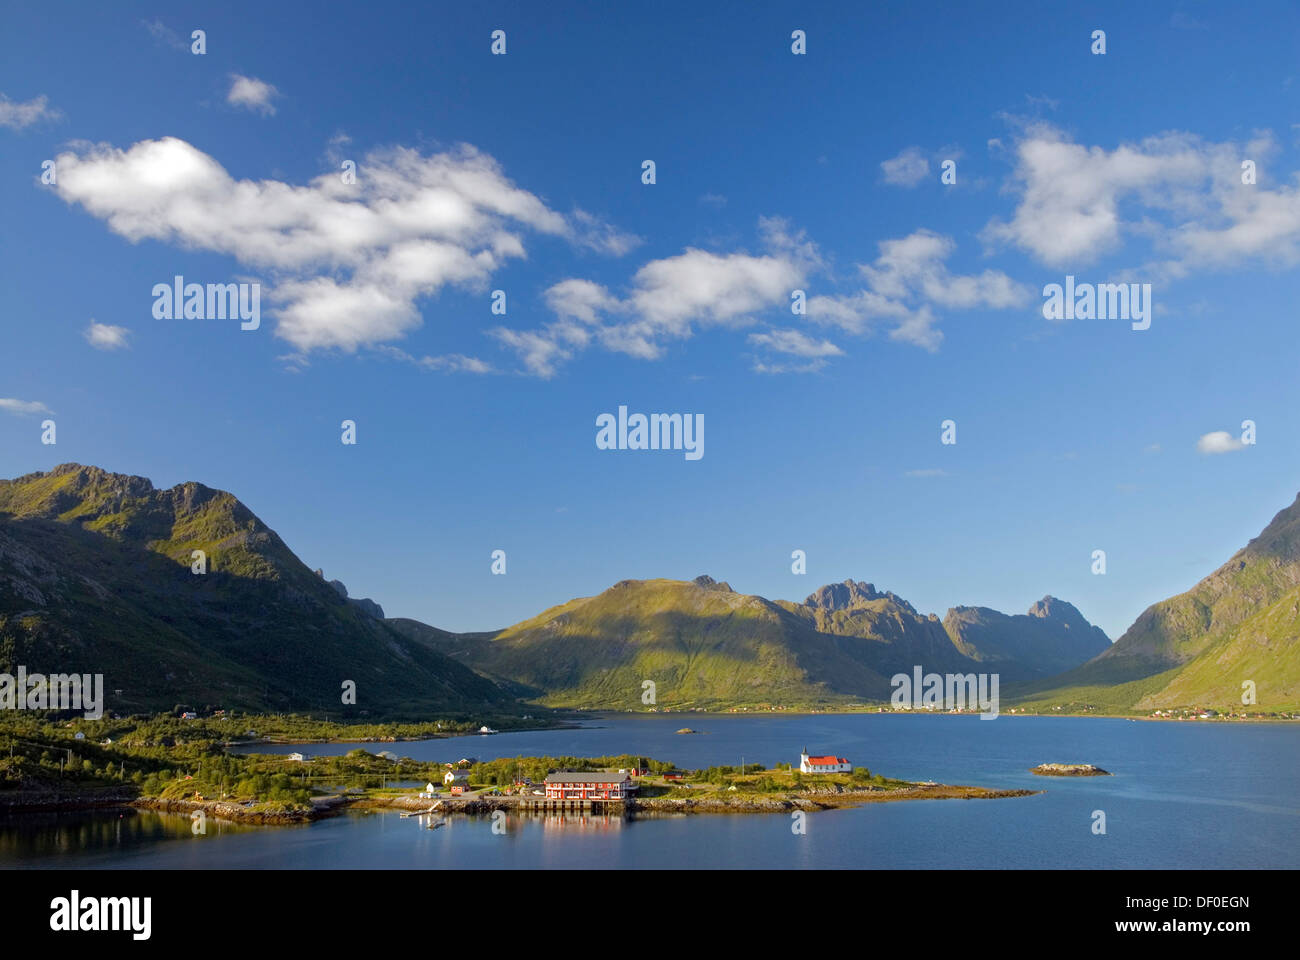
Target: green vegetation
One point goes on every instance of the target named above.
(163, 760)
(782, 779)
(95, 577)
(505, 771)
(172, 759)
(709, 648)
(1240, 625)
(705, 647)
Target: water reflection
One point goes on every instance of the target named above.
(557, 822)
(38, 837)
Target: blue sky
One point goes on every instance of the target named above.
(774, 171)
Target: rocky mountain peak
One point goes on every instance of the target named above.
(850, 594)
(364, 604)
(708, 583)
(1050, 607)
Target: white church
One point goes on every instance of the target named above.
(809, 764)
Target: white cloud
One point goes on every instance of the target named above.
(856, 313)
(928, 472)
(596, 234)
(22, 407)
(812, 366)
(164, 34)
(348, 262)
(446, 363)
(1182, 193)
(906, 282)
(17, 115)
(1070, 194)
(581, 300)
(914, 265)
(697, 285)
(252, 94)
(795, 343)
(667, 299)
(541, 352)
(1219, 441)
(907, 169)
(1182, 20)
(918, 328)
(105, 336)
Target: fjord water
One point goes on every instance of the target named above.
(1183, 794)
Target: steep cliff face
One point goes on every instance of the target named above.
(1051, 637)
(1235, 631)
(95, 577)
(896, 636)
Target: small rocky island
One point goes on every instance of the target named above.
(1069, 770)
(685, 730)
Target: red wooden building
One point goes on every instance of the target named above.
(600, 785)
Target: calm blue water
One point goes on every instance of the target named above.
(1189, 795)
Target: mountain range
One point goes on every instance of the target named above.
(1234, 635)
(703, 644)
(96, 576)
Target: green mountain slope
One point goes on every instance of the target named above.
(95, 578)
(703, 644)
(1241, 623)
(700, 642)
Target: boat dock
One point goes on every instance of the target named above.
(543, 805)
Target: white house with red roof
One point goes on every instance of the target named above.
(828, 764)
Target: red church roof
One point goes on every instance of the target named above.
(826, 761)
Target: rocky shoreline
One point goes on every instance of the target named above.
(122, 798)
(1069, 770)
(332, 805)
(820, 800)
(222, 810)
(42, 802)
(749, 803)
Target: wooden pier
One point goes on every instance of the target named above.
(544, 805)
